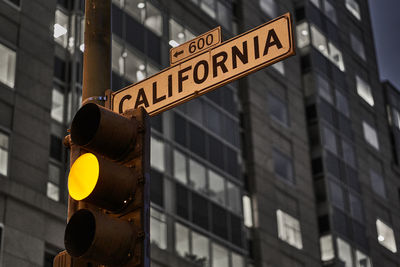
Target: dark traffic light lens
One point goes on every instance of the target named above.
(80, 232)
(85, 124)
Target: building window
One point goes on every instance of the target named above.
(208, 6)
(324, 88)
(354, 8)
(197, 177)
(269, 7)
(344, 252)
(370, 135)
(224, 15)
(283, 165)
(277, 109)
(234, 198)
(237, 260)
(145, 13)
(61, 28)
(362, 260)
(289, 229)
(337, 195)
(364, 90)
(7, 66)
(247, 211)
(57, 105)
(330, 11)
(327, 251)
(342, 104)
(303, 35)
(157, 157)
(4, 154)
(386, 236)
(357, 46)
(348, 154)
(178, 34)
(200, 249)
(395, 118)
(53, 184)
(158, 228)
(220, 256)
(329, 138)
(180, 172)
(377, 183)
(216, 188)
(181, 240)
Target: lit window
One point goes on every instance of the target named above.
(329, 140)
(145, 13)
(319, 41)
(208, 6)
(200, 249)
(7, 66)
(82, 35)
(234, 198)
(220, 256)
(327, 251)
(247, 212)
(370, 135)
(237, 260)
(181, 240)
(289, 229)
(158, 229)
(216, 190)
(53, 189)
(335, 55)
(178, 34)
(180, 167)
(282, 165)
(357, 46)
(364, 90)
(269, 7)
(157, 154)
(395, 118)
(197, 177)
(61, 28)
(303, 35)
(330, 11)
(118, 61)
(354, 8)
(344, 252)
(386, 236)
(277, 109)
(362, 260)
(57, 105)
(3, 154)
(377, 183)
(135, 68)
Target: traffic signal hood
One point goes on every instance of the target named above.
(110, 182)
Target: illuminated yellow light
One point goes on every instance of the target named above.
(83, 176)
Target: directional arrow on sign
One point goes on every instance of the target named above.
(177, 53)
(210, 69)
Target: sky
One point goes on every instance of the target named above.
(385, 16)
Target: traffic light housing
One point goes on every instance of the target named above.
(109, 187)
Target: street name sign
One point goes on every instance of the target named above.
(195, 46)
(210, 69)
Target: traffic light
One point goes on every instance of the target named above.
(109, 185)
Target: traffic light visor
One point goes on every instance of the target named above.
(83, 176)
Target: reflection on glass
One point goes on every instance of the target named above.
(220, 256)
(158, 229)
(181, 240)
(216, 188)
(197, 176)
(180, 167)
(200, 246)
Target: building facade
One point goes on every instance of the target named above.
(294, 165)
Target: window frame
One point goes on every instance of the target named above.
(13, 49)
(285, 229)
(7, 149)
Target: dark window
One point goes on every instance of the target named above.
(153, 46)
(236, 230)
(317, 166)
(228, 100)
(156, 122)
(135, 33)
(219, 221)
(180, 129)
(332, 165)
(356, 209)
(213, 119)
(345, 126)
(157, 188)
(282, 165)
(117, 82)
(215, 152)
(232, 166)
(340, 222)
(359, 235)
(55, 147)
(215, 96)
(63, 3)
(182, 201)
(197, 140)
(230, 131)
(327, 112)
(277, 109)
(59, 68)
(323, 224)
(337, 195)
(195, 109)
(311, 112)
(352, 179)
(117, 16)
(200, 211)
(1, 237)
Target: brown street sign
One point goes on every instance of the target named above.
(195, 46)
(231, 60)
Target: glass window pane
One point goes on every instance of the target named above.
(237, 260)
(220, 256)
(386, 236)
(337, 195)
(57, 105)
(354, 8)
(181, 240)
(234, 198)
(154, 19)
(330, 11)
(53, 191)
(319, 41)
(208, 6)
(289, 229)
(180, 167)
(348, 154)
(135, 68)
(324, 88)
(118, 62)
(277, 109)
(197, 178)
(377, 183)
(329, 140)
(303, 35)
(364, 90)
(247, 212)
(176, 33)
(370, 135)
(54, 174)
(362, 260)
(342, 103)
(7, 66)
(3, 154)
(335, 55)
(216, 188)
(358, 46)
(269, 7)
(224, 15)
(157, 154)
(327, 251)
(282, 165)
(344, 252)
(356, 209)
(135, 8)
(158, 228)
(200, 249)
(61, 28)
